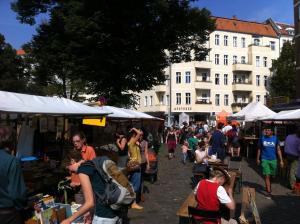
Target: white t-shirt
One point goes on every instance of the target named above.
(200, 155)
(205, 127)
(226, 128)
(221, 194)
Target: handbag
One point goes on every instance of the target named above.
(133, 165)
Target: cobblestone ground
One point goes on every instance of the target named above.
(173, 186)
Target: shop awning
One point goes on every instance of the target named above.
(31, 104)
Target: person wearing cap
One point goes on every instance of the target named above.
(210, 193)
(268, 145)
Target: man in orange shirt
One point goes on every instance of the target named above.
(79, 142)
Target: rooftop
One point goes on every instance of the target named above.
(241, 26)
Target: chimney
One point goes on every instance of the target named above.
(234, 17)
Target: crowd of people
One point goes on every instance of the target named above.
(199, 142)
(135, 157)
(134, 154)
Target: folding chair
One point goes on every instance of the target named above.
(207, 215)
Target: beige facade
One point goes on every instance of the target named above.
(235, 73)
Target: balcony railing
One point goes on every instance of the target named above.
(239, 104)
(203, 101)
(241, 82)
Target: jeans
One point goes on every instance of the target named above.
(184, 156)
(100, 220)
(135, 179)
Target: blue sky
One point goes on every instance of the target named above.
(255, 10)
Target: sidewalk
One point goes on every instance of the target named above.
(173, 186)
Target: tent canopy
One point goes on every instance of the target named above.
(254, 111)
(122, 113)
(31, 104)
(286, 115)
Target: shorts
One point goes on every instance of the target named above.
(269, 167)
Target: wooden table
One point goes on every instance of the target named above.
(218, 164)
(191, 201)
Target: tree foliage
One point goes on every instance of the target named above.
(113, 48)
(12, 75)
(283, 81)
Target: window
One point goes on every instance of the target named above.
(226, 100)
(265, 99)
(235, 41)
(272, 45)
(225, 40)
(225, 79)
(257, 61)
(145, 101)
(256, 42)
(257, 98)
(161, 99)
(217, 59)
(188, 98)
(217, 79)
(178, 77)
(178, 98)
(234, 60)
(167, 100)
(265, 81)
(187, 77)
(243, 42)
(217, 99)
(257, 80)
(167, 82)
(150, 100)
(217, 39)
(225, 59)
(243, 60)
(205, 77)
(234, 78)
(265, 62)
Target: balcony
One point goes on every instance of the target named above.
(160, 88)
(203, 64)
(237, 106)
(242, 67)
(203, 101)
(242, 86)
(203, 84)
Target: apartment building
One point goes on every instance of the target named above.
(235, 72)
(297, 41)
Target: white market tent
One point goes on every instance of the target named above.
(287, 115)
(254, 111)
(31, 104)
(122, 113)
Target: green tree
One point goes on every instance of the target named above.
(113, 48)
(283, 80)
(12, 75)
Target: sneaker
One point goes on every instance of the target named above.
(136, 206)
(268, 195)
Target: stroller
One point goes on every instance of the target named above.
(151, 174)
